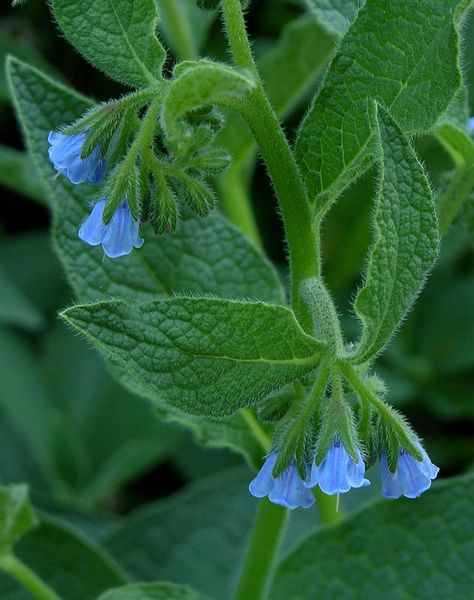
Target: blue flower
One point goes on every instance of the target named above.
(470, 125)
(411, 478)
(65, 154)
(338, 473)
(286, 490)
(118, 238)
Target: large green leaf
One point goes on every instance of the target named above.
(117, 36)
(405, 240)
(72, 565)
(405, 54)
(404, 549)
(152, 591)
(335, 15)
(205, 356)
(205, 255)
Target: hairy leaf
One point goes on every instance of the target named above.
(335, 15)
(117, 36)
(199, 84)
(389, 548)
(405, 240)
(204, 356)
(402, 53)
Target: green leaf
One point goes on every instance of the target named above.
(197, 85)
(207, 256)
(17, 174)
(152, 591)
(405, 241)
(335, 15)
(204, 356)
(117, 36)
(392, 53)
(16, 516)
(451, 132)
(72, 565)
(196, 537)
(15, 308)
(389, 546)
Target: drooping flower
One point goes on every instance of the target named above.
(118, 237)
(338, 472)
(411, 478)
(65, 154)
(287, 489)
(470, 125)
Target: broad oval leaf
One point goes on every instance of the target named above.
(393, 53)
(117, 36)
(405, 240)
(403, 549)
(204, 356)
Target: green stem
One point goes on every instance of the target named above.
(260, 560)
(180, 33)
(27, 578)
(281, 164)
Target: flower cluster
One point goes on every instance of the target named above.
(121, 234)
(338, 473)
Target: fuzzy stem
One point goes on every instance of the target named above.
(281, 164)
(260, 560)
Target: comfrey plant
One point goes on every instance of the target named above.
(187, 311)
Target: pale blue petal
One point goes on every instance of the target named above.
(120, 235)
(262, 484)
(93, 229)
(390, 488)
(289, 490)
(338, 473)
(470, 125)
(411, 478)
(65, 154)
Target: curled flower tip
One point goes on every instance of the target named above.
(338, 472)
(287, 489)
(65, 154)
(118, 238)
(470, 125)
(411, 478)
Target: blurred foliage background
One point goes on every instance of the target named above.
(94, 455)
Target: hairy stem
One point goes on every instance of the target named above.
(260, 560)
(281, 164)
(27, 578)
